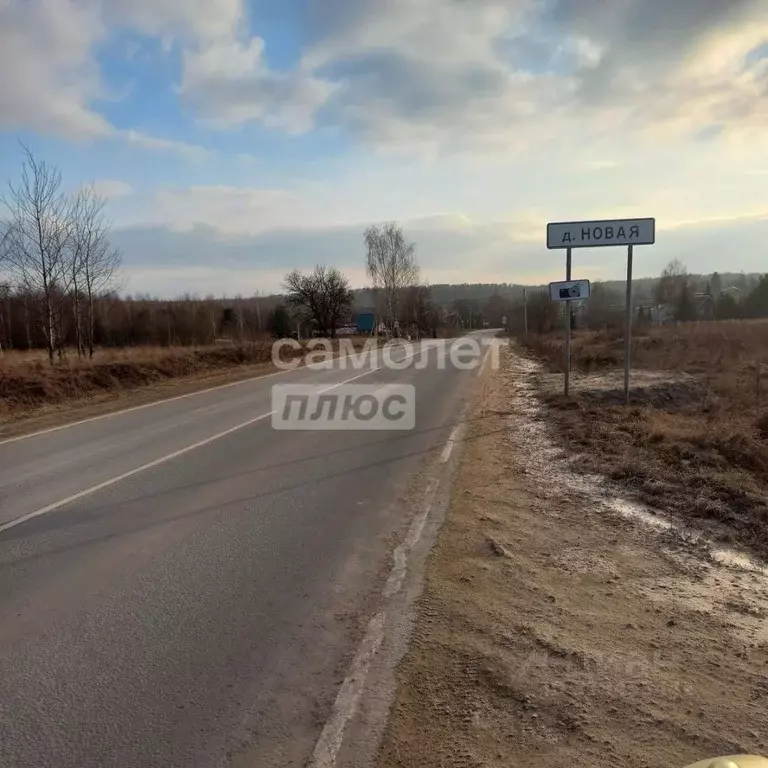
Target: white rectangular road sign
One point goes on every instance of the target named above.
(594, 234)
(569, 290)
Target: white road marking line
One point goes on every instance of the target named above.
(448, 449)
(485, 362)
(310, 366)
(400, 555)
(93, 489)
(332, 735)
(331, 738)
(149, 465)
(142, 407)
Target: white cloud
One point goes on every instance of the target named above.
(170, 282)
(147, 141)
(111, 188)
(49, 46)
(434, 76)
(230, 84)
(456, 250)
(490, 76)
(49, 76)
(227, 210)
(187, 19)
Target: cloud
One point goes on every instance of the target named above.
(111, 188)
(227, 210)
(147, 141)
(49, 76)
(450, 248)
(49, 46)
(489, 76)
(229, 83)
(188, 19)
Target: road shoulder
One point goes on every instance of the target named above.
(23, 422)
(553, 627)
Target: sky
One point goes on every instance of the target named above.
(237, 139)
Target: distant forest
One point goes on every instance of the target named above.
(192, 320)
(60, 278)
(446, 294)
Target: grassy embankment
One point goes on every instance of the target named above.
(29, 384)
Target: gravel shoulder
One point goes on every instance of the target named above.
(560, 623)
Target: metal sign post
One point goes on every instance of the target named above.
(567, 327)
(568, 291)
(628, 324)
(594, 234)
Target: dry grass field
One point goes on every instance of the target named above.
(28, 383)
(694, 440)
(27, 380)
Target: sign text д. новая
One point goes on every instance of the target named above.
(594, 234)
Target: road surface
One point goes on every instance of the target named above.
(182, 585)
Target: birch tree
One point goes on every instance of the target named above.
(391, 264)
(93, 262)
(38, 229)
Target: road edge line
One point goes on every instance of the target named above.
(249, 380)
(352, 688)
(168, 457)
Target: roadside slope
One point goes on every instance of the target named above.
(553, 628)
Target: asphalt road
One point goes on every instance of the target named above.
(201, 611)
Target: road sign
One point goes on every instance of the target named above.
(569, 290)
(592, 234)
(596, 234)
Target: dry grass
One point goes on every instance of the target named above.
(694, 441)
(28, 382)
(552, 633)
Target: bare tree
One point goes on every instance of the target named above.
(421, 310)
(672, 283)
(5, 292)
(323, 296)
(391, 264)
(37, 233)
(74, 263)
(5, 317)
(93, 263)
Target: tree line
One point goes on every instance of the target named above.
(59, 288)
(684, 298)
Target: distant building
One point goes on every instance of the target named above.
(659, 314)
(366, 321)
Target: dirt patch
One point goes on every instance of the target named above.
(559, 629)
